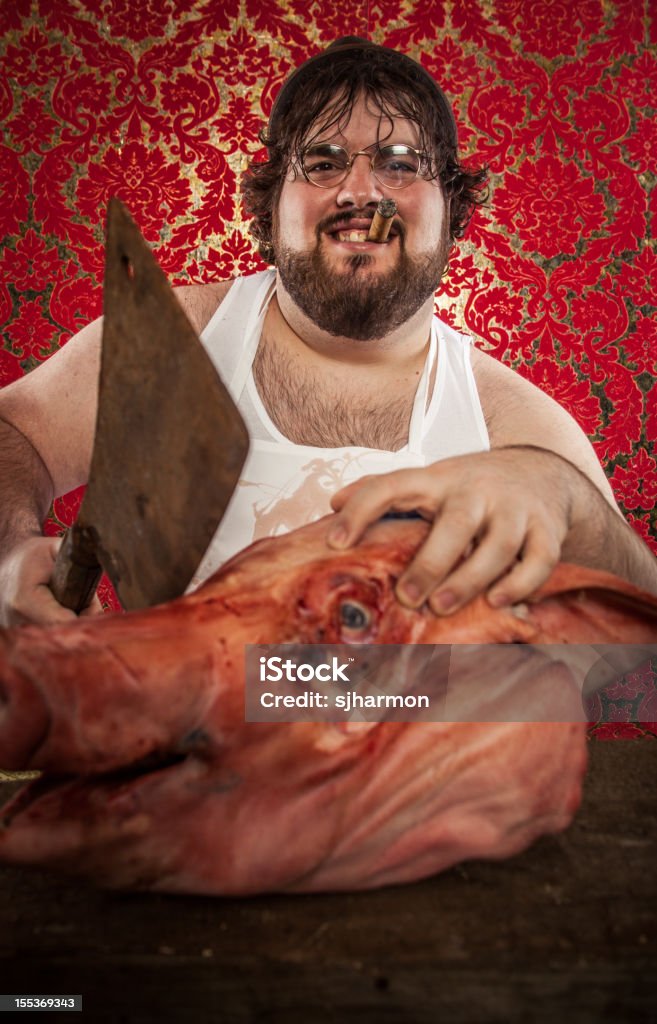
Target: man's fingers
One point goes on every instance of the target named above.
(485, 565)
(451, 536)
(362, 503)
(27, 597)
(454, 565)
(340, 498)
(493, 529)
(540, 555)
(42, 609)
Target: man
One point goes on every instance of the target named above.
(341, 371)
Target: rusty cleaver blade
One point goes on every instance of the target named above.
(169, 442)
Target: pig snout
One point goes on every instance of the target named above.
(101, 694)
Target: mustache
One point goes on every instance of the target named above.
(343, 220)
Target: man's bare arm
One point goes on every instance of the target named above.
(27, 490)
(598, 535)
(47, 421)
(47, 425)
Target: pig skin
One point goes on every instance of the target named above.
(153, 780)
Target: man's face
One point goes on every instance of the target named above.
(347, 286)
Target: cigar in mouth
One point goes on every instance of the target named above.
(382, 220)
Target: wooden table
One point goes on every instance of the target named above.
(566, 932)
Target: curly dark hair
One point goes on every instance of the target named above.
(321, 94)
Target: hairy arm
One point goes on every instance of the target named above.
(47, 425)
(27, 489)
(47, 421)
(598, 535)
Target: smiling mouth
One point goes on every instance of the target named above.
(351, 236)
(358, 235)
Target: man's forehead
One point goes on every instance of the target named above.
(337, 119)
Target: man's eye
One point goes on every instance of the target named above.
(398, 167)
(323, 160)
(321, 165)
(398, 163)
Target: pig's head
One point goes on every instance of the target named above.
(155, 780)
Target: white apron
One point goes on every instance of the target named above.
(285, 485)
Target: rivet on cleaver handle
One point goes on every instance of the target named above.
(169, 443)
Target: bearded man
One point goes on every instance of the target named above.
(356, 396)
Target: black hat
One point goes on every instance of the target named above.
(355, 49)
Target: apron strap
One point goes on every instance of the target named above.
(253, 330)
(416, 427)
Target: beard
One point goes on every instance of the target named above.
(356, 304)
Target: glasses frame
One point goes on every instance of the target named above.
(422, 159)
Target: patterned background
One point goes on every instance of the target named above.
(160, 102)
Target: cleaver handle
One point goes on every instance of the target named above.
(77, 569)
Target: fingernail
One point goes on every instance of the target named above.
(498, 599)
(337, 536)
(410, 591)
(444, 601)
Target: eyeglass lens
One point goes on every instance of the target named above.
(394, 166)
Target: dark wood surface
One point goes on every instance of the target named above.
(565, 932)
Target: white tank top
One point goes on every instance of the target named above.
(285, 485)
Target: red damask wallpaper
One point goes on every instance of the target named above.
(160, 103)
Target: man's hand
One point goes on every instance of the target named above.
(24, 592)
(500, 520)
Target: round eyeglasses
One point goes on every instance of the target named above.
(394, 166)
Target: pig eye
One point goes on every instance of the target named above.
(353, 615)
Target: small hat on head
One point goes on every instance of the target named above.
(350, 49)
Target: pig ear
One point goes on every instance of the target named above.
(579, 605)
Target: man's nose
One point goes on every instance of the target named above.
(360, 187)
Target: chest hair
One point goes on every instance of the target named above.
(313, 409)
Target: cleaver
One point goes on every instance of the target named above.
(169, 442)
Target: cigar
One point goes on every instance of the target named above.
(382, 220)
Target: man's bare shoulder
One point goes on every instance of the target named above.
(200, 301)
(519, 413)
(511, 404)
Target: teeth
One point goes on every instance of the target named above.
(352, 236)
